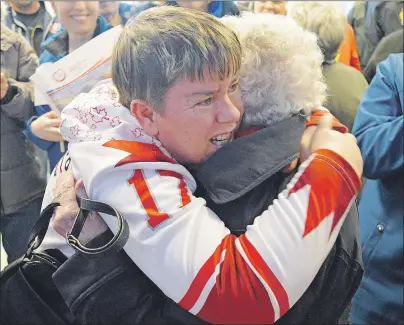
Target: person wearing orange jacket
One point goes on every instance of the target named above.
(348, 51)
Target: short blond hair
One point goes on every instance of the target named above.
(326, 19)
(166, 44)
(281, 72)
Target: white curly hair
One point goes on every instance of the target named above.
(281, 71)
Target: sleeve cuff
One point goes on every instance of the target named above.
(28, 132)
(344, 169)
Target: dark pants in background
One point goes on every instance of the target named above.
(16, 227)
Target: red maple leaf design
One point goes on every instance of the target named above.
(328, 194)
(137, 132)
(115, 121)
(83, 116)
(75, 130)
(100, 116)
(139, 152)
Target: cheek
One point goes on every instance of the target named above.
(94, 10)
(237, 101)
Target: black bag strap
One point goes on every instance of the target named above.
(40, 227)
(115, 244)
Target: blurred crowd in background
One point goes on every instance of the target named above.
(356, 38)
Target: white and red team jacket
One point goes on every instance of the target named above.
(182, 245)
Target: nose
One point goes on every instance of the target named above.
(227, 112)
(80, 5)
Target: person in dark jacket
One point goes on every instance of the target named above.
(42, 128)
(360, 18)
(345, 84)
(216, 8)
(373, 20)
(22, 188)
(393, 43)
(380, 133)
(34, 20)
(257, 167)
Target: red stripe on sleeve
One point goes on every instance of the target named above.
(139, 152)
(266, 273)
(204, 274)
(238, 295)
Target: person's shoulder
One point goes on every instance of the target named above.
(396, 58)
(343, 72)
(54, 47)
(393, 64)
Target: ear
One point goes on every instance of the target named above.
(145, 115)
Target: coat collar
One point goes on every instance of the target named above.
(248, 161)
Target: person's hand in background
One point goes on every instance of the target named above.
(3, 86)
(46, 127)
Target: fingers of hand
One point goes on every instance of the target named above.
(53, 123)
(63, 219)
(52, 115)
(80, 190)
(325, 122)
(3, 78)
(290, 167)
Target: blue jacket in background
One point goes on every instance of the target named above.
(53, 49)
(216, 8)
(379, 130)
(126, 11)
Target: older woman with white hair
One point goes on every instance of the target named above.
(346, 85)
(281, 72)
(281, 82)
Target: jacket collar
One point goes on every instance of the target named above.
(248, 161)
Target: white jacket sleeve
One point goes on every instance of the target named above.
(187, 251)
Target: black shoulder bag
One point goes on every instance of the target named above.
(28, 294)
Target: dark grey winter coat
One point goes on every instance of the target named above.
(20, 180)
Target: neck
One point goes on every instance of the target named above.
(75, 41)
(30, 9)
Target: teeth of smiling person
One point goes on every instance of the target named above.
(219, 143)
(221, 137)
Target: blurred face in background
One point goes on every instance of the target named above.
(274, 7)
(197, 5)
(79, 17)
(23, 3)
(109, 10)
